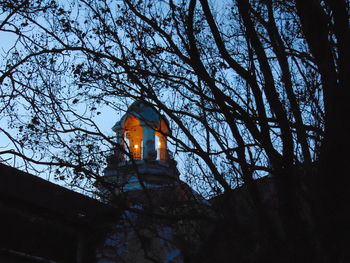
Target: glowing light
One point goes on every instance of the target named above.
(159, 144)
(136, 146)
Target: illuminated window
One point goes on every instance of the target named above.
(160, 141)
(133, 137)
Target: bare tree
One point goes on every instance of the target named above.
(252, 88)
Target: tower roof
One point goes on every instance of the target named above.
(146, 114)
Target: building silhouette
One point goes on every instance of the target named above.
(44, 222)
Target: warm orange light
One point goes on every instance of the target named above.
(159, 144)
(136, 146)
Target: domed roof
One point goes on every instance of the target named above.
(145, 112)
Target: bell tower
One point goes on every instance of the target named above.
(142, 133)
(141, 160)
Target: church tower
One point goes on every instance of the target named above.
(141, 161)
(141, 174)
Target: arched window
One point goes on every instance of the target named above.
(133, 137)
(161, 143)
(160, 146)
